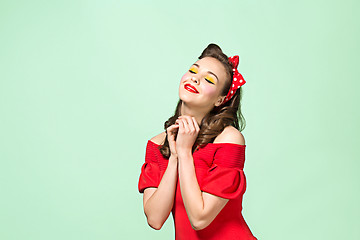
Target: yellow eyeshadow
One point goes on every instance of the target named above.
(193, 69)
(210, 79)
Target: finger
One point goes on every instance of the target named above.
(186, 125)
(172, 130)
(181, 126)
(196, 124)
(190, 123)
(174, 125)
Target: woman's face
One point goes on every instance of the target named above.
(203, 83)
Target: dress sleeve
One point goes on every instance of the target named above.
(150, 172)
(225, 177)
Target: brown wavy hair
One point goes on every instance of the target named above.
(219, 117)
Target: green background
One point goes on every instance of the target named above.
(85, 84)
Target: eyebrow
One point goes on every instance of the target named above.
(207, 71)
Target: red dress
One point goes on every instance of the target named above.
(219, 171)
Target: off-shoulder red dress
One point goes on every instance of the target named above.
(219, 171)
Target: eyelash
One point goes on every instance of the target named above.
(205, 78)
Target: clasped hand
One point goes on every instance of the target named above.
(187, 131)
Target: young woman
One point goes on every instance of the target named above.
(194, 168)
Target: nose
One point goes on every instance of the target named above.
(194, 79)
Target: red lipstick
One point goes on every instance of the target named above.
(190, 88)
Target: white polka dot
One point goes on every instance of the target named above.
(240, 80)
(233, 85)
(231, 92)
(238, 86)
(235, 79)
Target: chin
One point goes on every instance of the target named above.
(186, 99)
(186, 96)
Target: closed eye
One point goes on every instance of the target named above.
(209, 81)
(205, 78)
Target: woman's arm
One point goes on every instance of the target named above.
(201, 207)
(159, 201)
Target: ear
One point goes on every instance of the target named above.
(220, 101)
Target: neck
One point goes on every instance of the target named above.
(197, 113)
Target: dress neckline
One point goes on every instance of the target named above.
(207, 144)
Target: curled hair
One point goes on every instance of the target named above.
(227, 114)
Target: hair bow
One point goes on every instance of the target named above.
(237, 80)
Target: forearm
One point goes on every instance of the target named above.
(160, 204)
(190, 189)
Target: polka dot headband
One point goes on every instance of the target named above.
(237, 80)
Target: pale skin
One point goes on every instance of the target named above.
(201, 207)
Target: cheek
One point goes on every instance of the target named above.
(209, 91)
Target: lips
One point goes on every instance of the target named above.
(190, 88)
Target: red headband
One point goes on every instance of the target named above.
(237, 80)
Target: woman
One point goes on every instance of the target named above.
(194, 169)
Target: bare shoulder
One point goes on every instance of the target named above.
(159, 139)
(230, 135)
